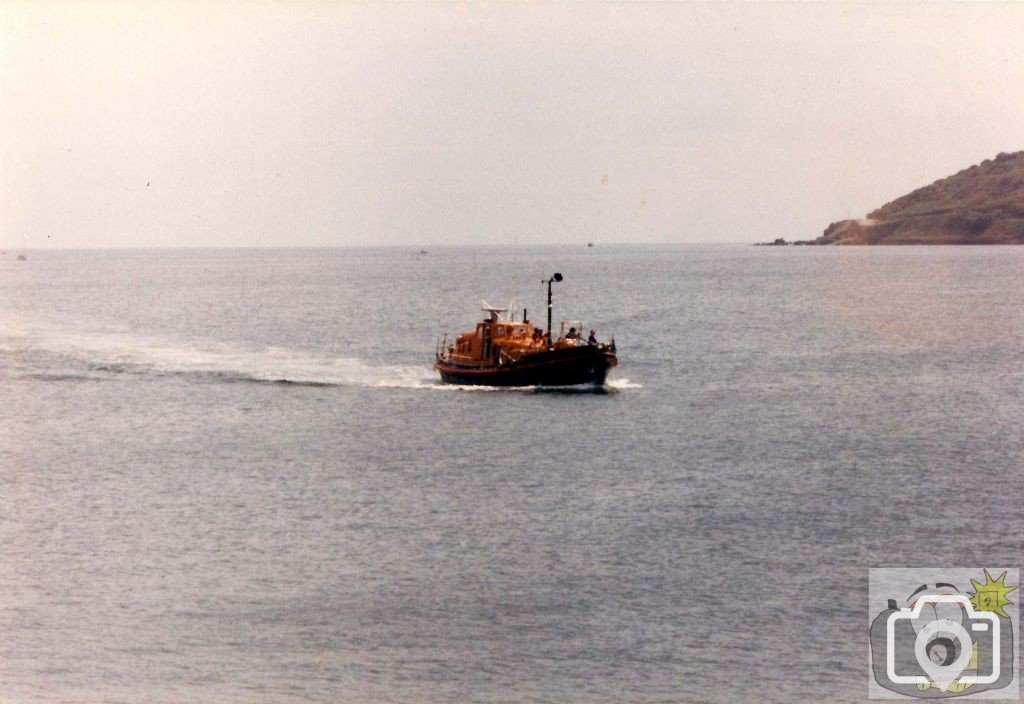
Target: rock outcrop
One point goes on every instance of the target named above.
(983, 204)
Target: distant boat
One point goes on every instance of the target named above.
(503, 352)
(423, 251)
(22, 257)
(590, 244)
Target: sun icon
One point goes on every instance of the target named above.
(991, 596)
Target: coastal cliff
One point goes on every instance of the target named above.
(983, 204)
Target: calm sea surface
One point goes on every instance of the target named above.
(232, 476)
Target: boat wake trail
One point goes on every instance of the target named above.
(622, 384)
(109, 357)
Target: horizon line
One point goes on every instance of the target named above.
(366, 246)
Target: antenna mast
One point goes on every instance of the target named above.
(556, 277)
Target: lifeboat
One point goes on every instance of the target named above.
(501, 351)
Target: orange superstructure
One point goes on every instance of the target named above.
(495, 339)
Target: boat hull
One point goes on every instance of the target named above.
(560, 367)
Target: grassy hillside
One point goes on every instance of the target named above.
(983, 204)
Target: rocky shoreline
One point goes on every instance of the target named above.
(983, 204)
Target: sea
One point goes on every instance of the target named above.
(232, 475)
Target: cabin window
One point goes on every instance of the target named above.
(501, 330)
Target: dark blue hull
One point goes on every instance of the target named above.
(586, 364)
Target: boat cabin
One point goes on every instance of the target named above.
(500, 339)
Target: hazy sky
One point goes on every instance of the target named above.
(275, 123)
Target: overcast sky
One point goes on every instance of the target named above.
(257, 123)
